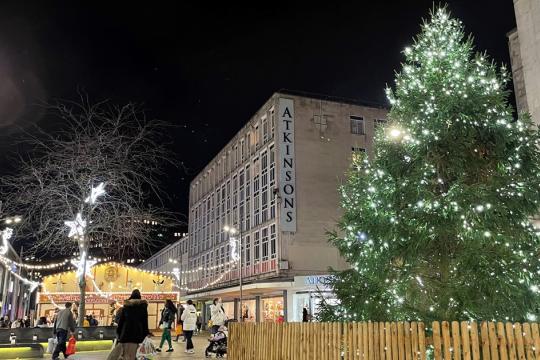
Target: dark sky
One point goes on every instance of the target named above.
(206, 67)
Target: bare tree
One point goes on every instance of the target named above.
(98, 144)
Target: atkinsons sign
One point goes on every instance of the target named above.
(287, 177)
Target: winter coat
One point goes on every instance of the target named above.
(189, 317)
(217, 315)
(133, 322)
(167, 318)
(64, 320)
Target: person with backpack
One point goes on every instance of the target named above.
(166, 323)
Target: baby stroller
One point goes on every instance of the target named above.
(218, 343)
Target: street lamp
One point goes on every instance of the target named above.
(236, 255)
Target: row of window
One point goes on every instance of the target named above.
(236, 154)
(358, 124)
(257, 246)
(246, 199)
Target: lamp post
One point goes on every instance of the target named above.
(232, 231)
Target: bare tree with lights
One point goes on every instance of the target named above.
(85, 189)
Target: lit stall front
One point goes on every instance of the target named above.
(110, 284)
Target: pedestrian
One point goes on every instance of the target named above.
(5, 323)
(199, 322)
(64, 324)
(179, 323)
(166, 323)
(189, 318)
(217, 315)
(93, 320)
(132, 327)
(26, 322)
(305, 315)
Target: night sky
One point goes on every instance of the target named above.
(207, 68)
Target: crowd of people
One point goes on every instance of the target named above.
(5, 323)
(131, 321)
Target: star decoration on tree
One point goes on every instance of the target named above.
(81, 268)
(77, 226)
(95, 193)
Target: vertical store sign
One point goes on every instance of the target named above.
(287, 175)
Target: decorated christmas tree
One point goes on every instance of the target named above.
(438, 223)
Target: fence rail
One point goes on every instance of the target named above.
(385, 341)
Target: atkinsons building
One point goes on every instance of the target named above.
(276, 184)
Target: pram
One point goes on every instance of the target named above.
(218, 343)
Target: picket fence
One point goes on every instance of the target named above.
(385, 341)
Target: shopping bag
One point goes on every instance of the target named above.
(51, 344)
(179, 329)
(71, 346)
(147, 350)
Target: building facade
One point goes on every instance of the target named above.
(524, 45)
(276, 182)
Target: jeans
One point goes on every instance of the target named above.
(166, 336)
(61, 336)
(188, 334)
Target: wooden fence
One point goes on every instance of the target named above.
(384, 341)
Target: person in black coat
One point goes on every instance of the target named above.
(132, 327)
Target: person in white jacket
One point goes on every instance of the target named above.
(189, 318)
(217, 315)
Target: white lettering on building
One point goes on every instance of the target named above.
(287, 177)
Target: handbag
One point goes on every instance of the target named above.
(147, 350)
(51, 344)
(71, 346)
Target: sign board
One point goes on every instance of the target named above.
(287, 173)
(315, 281)
(94, 298)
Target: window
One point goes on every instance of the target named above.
(264, 244)
(357, 125)
(379, 122)
(247, 254)
(257, 247)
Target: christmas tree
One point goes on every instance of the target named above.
(437, 224)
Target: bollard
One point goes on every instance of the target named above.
(79, 335)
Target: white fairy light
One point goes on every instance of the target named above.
(7, 233)
(95, 193)
(77, 226)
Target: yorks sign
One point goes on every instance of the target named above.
(287, 177)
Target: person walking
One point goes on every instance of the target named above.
(64, 323)
(132, 327)
(179, 323)
(166, 323)
(217, 315)
(189, 319)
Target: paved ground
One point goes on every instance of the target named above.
(200, 342)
